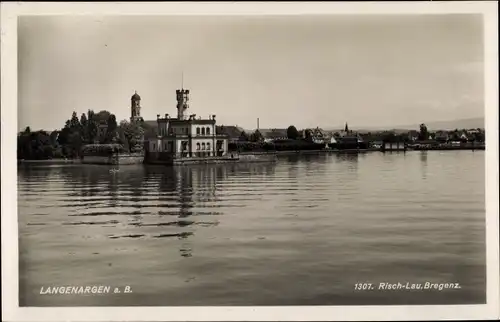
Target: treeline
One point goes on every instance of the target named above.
(90, 128)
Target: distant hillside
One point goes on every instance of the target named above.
(470, 123)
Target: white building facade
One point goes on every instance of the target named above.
(186, 136)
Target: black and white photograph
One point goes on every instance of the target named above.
(250, 160)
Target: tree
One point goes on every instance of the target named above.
(292, 133)
(102, 116)
(402, 138)
(85, 128)
(91, 126)
(389, 136)
(75, 122)
(75, 143)
(131, 136)
(34, 145)
(256, 136)
(62, 139)
(53, 138)
(424, 133)
(308, 135)
(111, 132)
(243, 136)
(455, 136)
(479, 136)
(77, 132)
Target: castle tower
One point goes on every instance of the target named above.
(182, 102)
(135, 107)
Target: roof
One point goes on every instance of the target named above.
(135, 97)
(275, 133)
(316, 132)
(190, 121)
(230, 130)
(347, 139)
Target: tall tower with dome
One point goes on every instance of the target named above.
(135, 107)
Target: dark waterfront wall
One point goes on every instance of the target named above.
(115, 158)
(158, 157)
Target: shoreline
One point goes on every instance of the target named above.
(78, 161)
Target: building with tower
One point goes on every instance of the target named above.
(349, 139)
(185, 136)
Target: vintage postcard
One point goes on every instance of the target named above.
(249, 161)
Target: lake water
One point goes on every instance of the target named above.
(302, 231)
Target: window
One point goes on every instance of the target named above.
(197, 146)
(208, 131)
(208, 146)
(202, 131)
(153, 146)
(203, 146)
(197, 131)
(166, 147)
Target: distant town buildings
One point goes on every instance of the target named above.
(275, 135)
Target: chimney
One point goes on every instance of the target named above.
(257, 123)
(157, 116)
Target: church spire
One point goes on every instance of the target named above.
(346, 128)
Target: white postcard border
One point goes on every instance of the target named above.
(10, 309)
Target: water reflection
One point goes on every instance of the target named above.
(301, 231)
(349, 161)
(423, 164)
(34, 173)
(141, 202)
(348, 157)
(185, 191)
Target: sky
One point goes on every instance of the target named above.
(305, 70)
